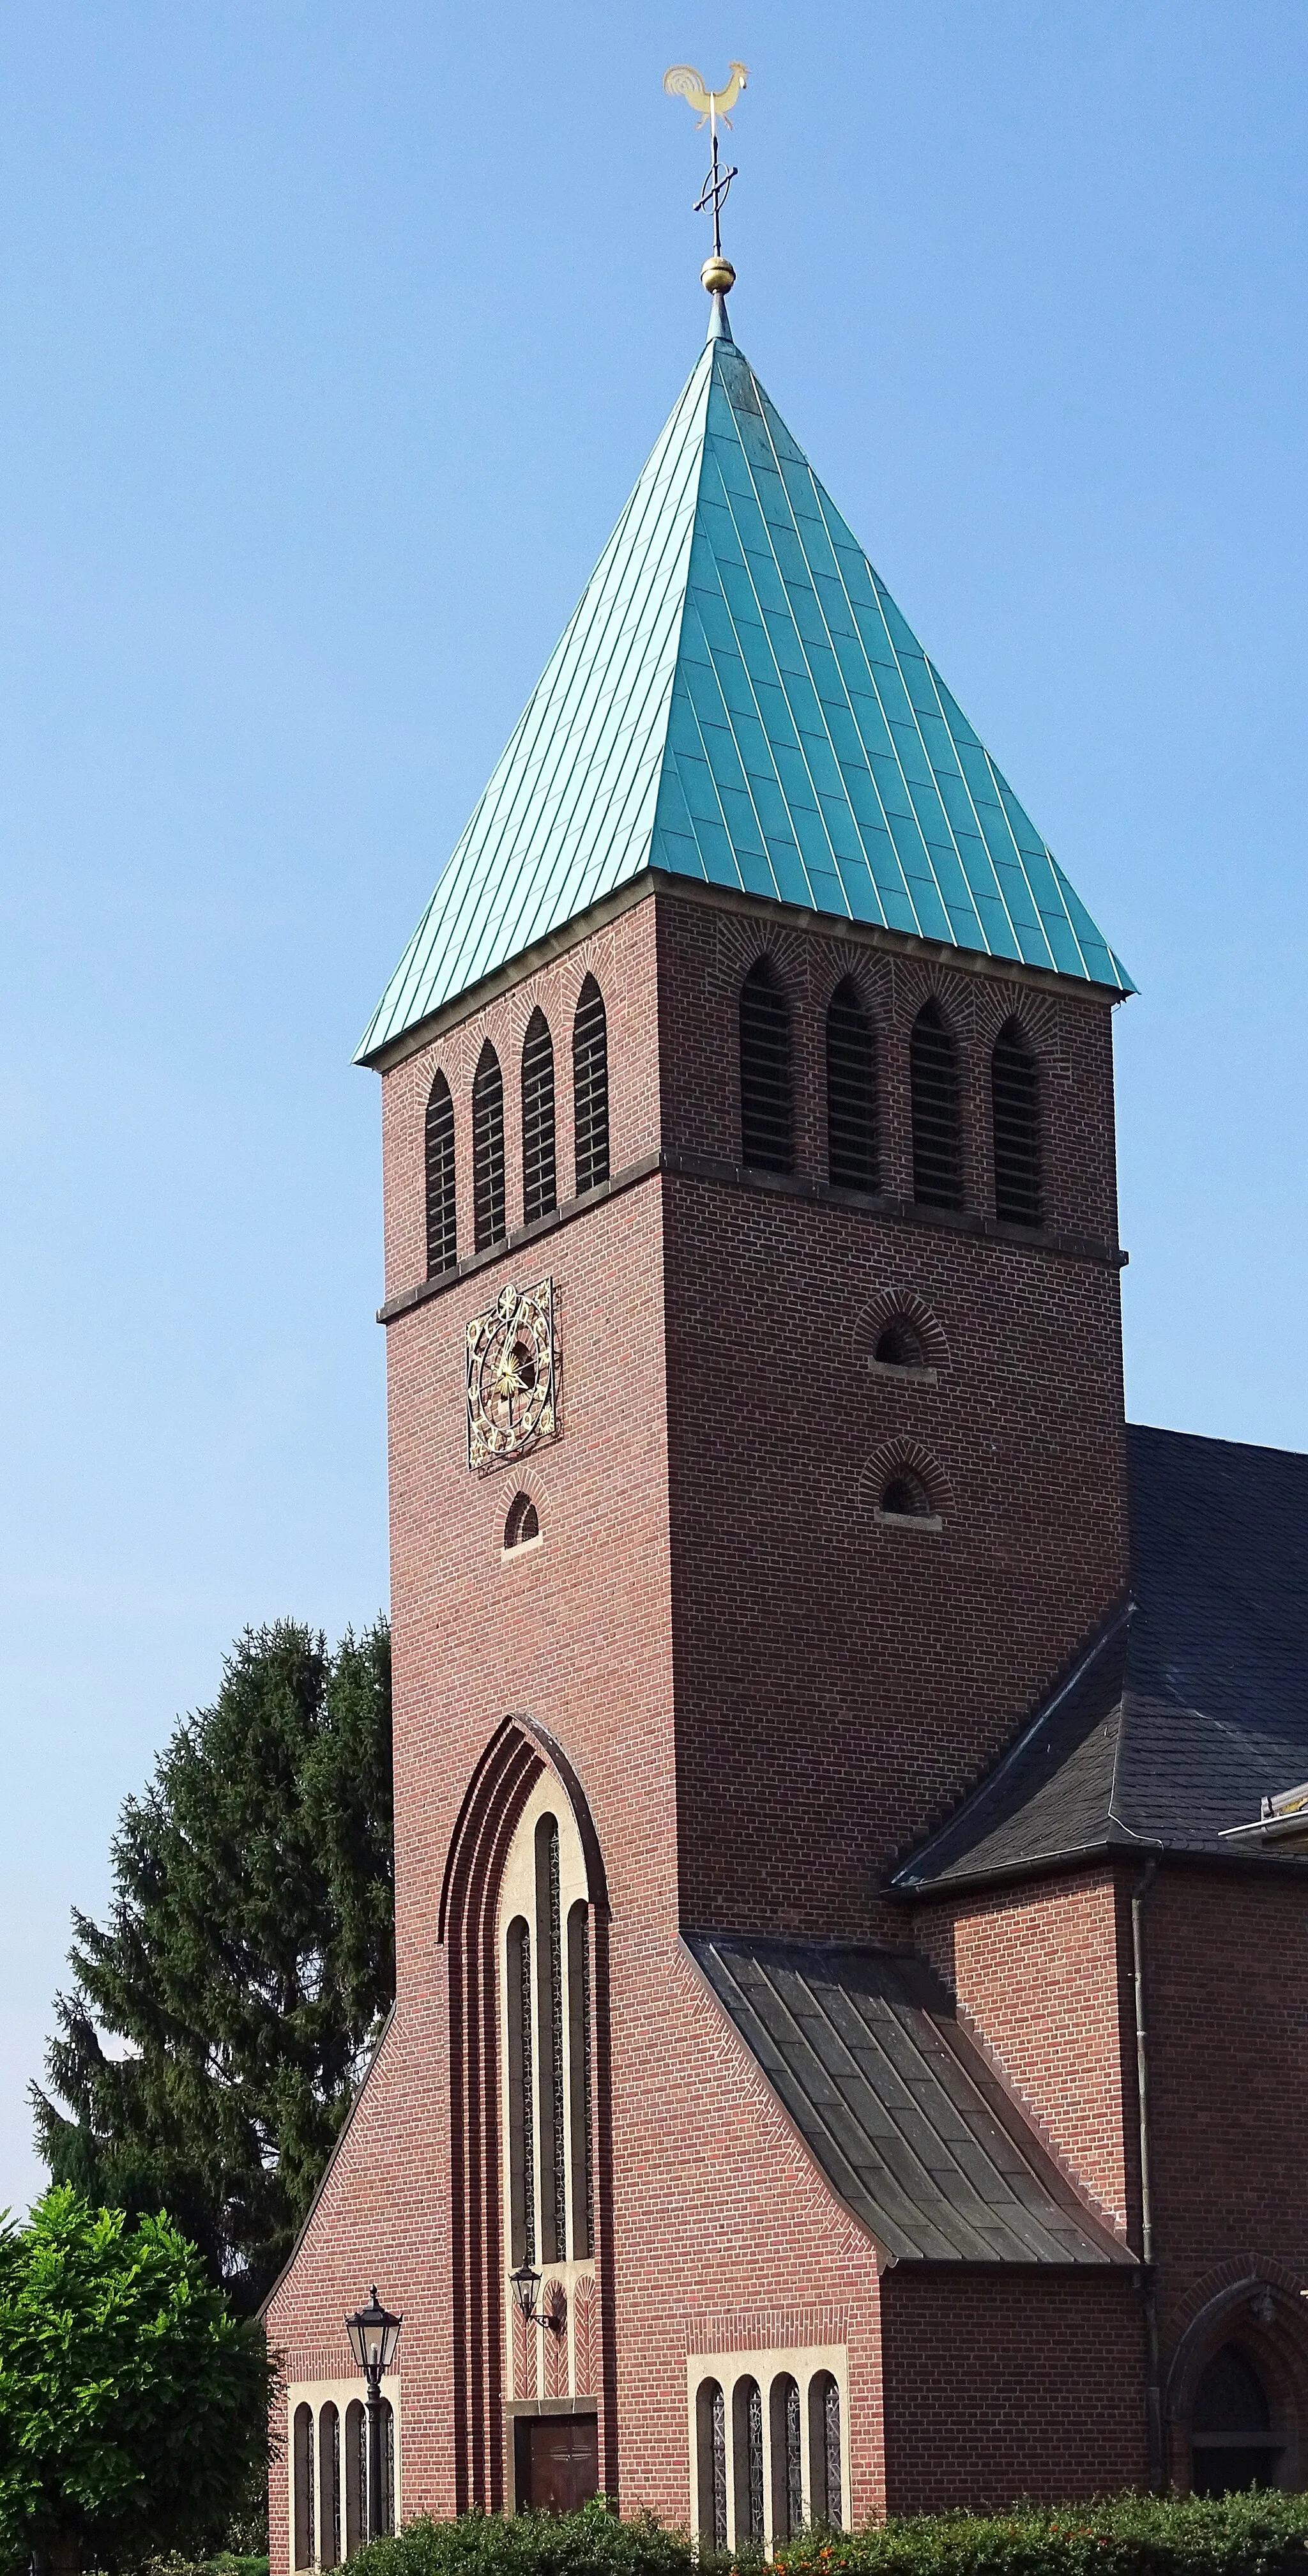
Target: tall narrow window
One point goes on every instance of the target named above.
(1235, 2445)
(303, 2468)
(442, 1232)
(488, 1149)
(852, 1160)
(549, 2047)
(356, 2476)
(387, 2516)
(747, 2444)
(711, 2463)
(787, 2472)
(933, 1083)
(329, 2486)
(590, 1087)
(766, 1138)
(522, 2116)
(579, 2073)
(539, 1193)
(1015, 1127)
(824, 2449)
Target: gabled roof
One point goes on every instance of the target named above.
(1192, 1707)
(911, 2126)
(738, 700)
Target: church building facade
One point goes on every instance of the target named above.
(849, 2042)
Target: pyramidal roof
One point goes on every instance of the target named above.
(738, 700)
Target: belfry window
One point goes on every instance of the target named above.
(852, 1159)
(539, 1190)
(933, 1087)
(1234, 2442)
(1015, 1128)
(590, 1087)
(442, 1229)
(488, 1149)
(766, 1116)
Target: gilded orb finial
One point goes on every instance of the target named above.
(682, 81)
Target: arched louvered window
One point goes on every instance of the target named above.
(590, 1087)
(442, 1230)
(488, 1149)
(933, 1084)
(1015, 1127)
(852, 1157)
(766, 1124)
(539, 1193)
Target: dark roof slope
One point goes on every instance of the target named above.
(1193, 1706)
(910, 2125)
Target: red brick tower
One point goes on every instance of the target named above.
(758, 1473)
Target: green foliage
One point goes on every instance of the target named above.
(133, 2404)
(1245, 2535)
(247, 1962)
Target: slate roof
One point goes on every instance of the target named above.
(738, 700)
(1191, 1708)
(908, 2122)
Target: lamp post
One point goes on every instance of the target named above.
(374, 2334)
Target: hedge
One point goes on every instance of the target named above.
(1264, 2534)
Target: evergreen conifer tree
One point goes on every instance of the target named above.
(218, 2023)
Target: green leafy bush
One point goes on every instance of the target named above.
(1246, 2535)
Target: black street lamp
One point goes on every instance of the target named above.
(374, 2334)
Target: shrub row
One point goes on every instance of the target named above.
(1245, 2535)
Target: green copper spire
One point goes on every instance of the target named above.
(737, 699)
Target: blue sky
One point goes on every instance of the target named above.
(333, 341)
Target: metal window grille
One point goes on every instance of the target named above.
(831, 2430)
(522, 2108)
(1015, 1117)
(329, 2471)
(590, 1087)
(549, 2023)
(933, 1085)
(539, 1190)
(442, 1231)
(719, 2469)
(852, 1158)
(302, 2467)
(579, 2070)
(488, 1149)
(766, 1139)
(388, 2466)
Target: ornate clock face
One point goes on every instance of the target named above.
(511, 1375)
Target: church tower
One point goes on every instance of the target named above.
(757, 1473)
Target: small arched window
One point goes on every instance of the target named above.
(442, 1230)
(1015, 1128)
(852, 1157)
(523, 1523)
(747, 2446)
(590, 1087)
(1234, 2443)
(766, 1118)
(824, 2450)
(787, 2472)
(539, 1191)
(488, 1149)
(905, 1498)
(900, 1345)
(329, 2486)
(711, 2463)
(303, 2467)
(933, 1086)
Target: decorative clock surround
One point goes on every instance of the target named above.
(512, 1376)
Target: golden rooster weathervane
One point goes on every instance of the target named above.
(682, 81)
